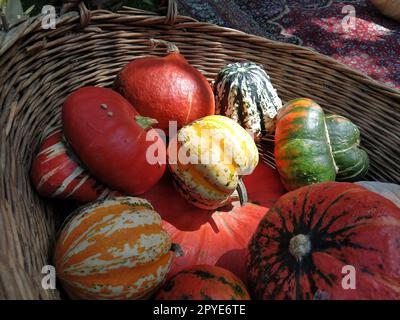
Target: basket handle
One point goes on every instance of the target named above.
(172, 11)
(171, 7)
(84, 13)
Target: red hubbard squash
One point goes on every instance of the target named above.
(110, 138)
(215, 237)
(113, 249)
(166, 89)
(56, 173)
(303, 243)
(204, 282)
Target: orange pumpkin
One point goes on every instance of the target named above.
(204, 282)
(113, 249)
(166, 88)
(218, 237)
(305, 242)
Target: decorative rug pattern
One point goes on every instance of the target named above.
(352, 32)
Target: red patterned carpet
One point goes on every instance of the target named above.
(371, 44)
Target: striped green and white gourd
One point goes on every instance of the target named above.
(243, 92)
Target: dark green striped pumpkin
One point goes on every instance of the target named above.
(332, 240)
(351, 161)
(243, 92)
(303, 155)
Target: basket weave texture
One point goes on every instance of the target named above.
(39, 68)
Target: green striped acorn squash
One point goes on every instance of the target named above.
(243, 92)
(344, 135)
(303, 155)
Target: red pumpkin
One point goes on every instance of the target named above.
(109, 137)
(215, 237)
(166, 88)
(56, 173)
(313, 237)
(204, 282)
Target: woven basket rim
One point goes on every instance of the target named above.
(180, 21)
(38, 68)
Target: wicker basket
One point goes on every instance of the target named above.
(39, 68)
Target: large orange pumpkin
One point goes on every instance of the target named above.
(217, 237)
(204, 282)
(315, 236)
(166, 89)
(113, 249)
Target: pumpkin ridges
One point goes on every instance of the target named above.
(205, 181)
(243, 138)
(56, 173)
(122, 277)
(302, 147)
(109, 140)
(194, 197)
(160, 247)
(124, 249)
(365, 280)
(204, 282)
(349, 231)
(101, 210)
(166, 88)
(347, 175)
(319, 223)
(244, 93)
(351, 160)
(207, 275)
(199, 178)
(197, 231)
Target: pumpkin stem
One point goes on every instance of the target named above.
(145, 122)
(170, 46)
(176, 248)
(242, 192)
(300, 246)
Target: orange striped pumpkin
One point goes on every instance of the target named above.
(218, 152)
(113, 249)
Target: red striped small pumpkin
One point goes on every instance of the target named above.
(204, 282)
(113, 249)
(56, 172)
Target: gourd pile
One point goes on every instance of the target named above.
(157, 219)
